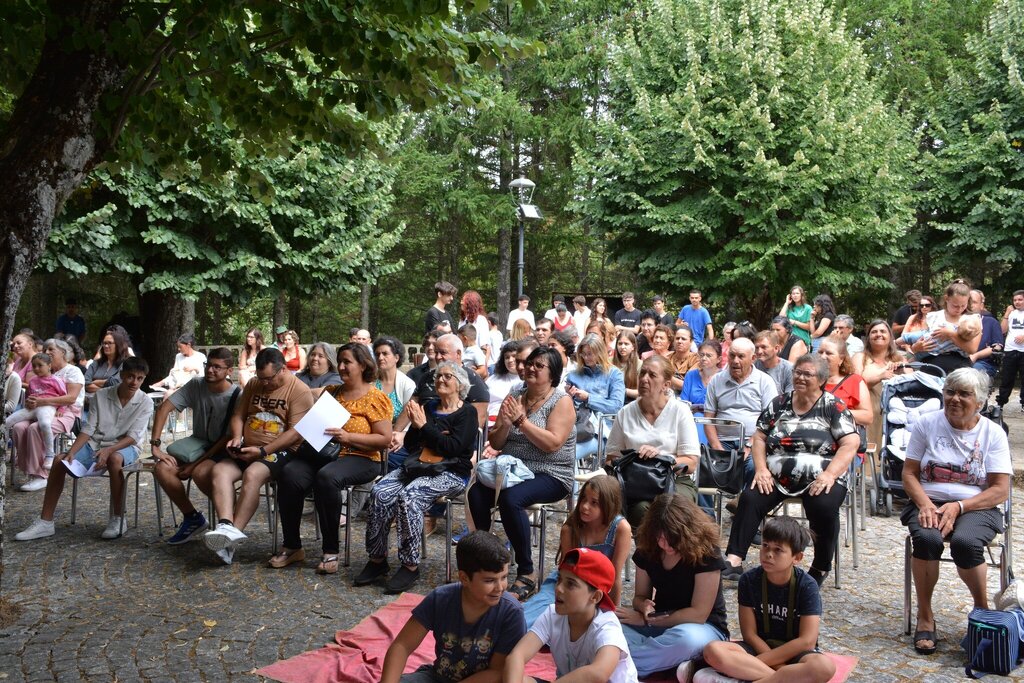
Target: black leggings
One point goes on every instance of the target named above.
(326, 477)
(1013, 365)
(822, 514)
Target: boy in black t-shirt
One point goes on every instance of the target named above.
(780, 613)
(475, 622)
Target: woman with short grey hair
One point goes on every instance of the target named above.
(956, 475)
(440, 443)
(320, 370)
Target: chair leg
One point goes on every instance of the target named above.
(907, 588)
(348, 526)
(448, 541)
(74, 498)
(543, 543)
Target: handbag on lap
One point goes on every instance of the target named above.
(643, 479)
(722, 470)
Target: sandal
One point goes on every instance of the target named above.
(286, 557)
(523, 588)
(328, 565)
(925, 636)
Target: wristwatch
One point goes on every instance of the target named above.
(154, 442)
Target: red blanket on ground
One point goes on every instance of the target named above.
(357, 656)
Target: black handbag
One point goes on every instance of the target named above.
(427, 463)
(327, 454)
(722, 470)
(643, 479)
(584, 424)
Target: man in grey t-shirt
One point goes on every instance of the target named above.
(766, 348)
(211, 399)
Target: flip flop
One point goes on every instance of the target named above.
(329, 565)
(925, 635)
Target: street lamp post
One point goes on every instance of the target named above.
(521, 190)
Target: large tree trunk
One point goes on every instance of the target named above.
(164, 318)
(280, 311)
(504, 285)
(47, 148)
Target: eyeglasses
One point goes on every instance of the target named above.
(803, 374)
(926, 304)
(268, 380)
(536, 366)
(211, 366)
(446, 376)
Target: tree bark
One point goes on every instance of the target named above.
(164, 318)
(364, 306)
(280, 311)
(48, 146)
(295, 315)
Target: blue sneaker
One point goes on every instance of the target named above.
(456, 537)
(189, 529)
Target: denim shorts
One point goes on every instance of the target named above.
(87, 456)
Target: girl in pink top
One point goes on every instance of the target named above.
(41, 385)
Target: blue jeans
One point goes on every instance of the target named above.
(512, 504)
(656, 649)
(87, 456)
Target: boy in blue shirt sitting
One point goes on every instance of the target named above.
(780, 613)
(475, 622)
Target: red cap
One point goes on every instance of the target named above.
(594, 568)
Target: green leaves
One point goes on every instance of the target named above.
(747, 149)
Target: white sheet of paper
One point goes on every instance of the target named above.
(78, 470)
(325, 413)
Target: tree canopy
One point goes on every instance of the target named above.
(745, 148)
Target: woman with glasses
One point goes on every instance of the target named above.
(247, 358)
(537, 424)
(596, 386)
(803, 446)
(113, 350)
(917, 324)
(352, 457)
(442, 431)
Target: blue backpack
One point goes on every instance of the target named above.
(993, 641)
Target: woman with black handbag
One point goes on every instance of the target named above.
(352, 456)
(661, 432)
(440, 442)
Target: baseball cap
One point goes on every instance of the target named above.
(280, 329)
(594, 568)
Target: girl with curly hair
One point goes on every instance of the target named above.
(677, 560)
(472, 310)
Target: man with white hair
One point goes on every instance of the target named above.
(842, 330)
(739, 394)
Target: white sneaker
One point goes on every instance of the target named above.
(37, 529)
(33, 484)
(224, 536)
(684, 672)
(226, 554)
(47, 462)
(115, 527)
(709, 675)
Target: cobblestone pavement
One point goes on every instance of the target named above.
(136, 609)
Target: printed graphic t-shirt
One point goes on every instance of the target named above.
(462, 649)
(269, 414)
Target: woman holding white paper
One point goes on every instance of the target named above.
(351, 457)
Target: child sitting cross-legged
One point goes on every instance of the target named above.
(475, 622)
(581, 628)
(780, 612)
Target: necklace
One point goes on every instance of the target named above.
(531, 406)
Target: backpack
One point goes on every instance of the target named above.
(993, 641)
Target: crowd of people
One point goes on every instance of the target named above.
(563, 387)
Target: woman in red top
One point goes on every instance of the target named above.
(294, 355)
(845, 384)
(563, 319)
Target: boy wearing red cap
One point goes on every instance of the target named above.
(581, 628)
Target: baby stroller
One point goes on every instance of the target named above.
(903, 397)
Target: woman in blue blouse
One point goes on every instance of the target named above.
(595, 384)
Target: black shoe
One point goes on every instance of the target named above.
(371, 572)
(403, 580)
(818, 576)
(731, 573)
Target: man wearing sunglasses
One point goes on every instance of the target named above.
(272, 403)
(211, 398)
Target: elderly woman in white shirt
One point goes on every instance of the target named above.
(957, 474)
(656, 423)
